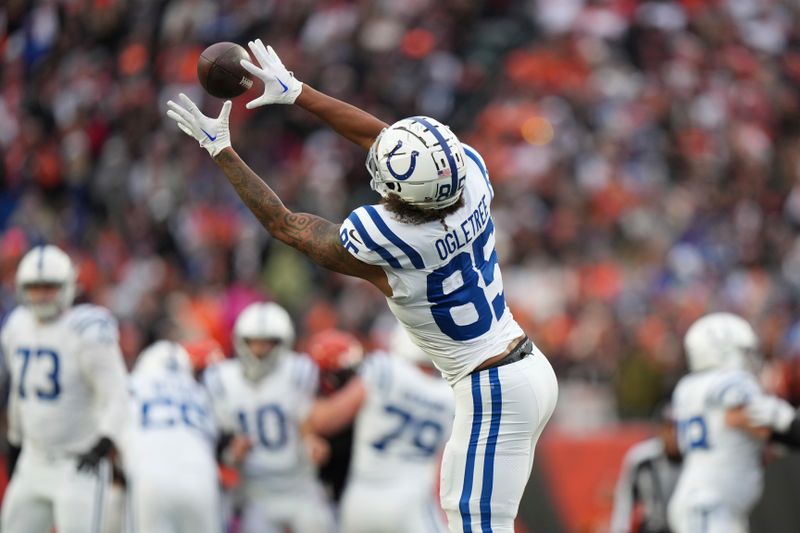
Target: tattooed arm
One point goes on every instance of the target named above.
(316, 237)
(350, 122)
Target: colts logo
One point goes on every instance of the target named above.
(411, 167)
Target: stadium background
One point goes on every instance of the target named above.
(646, 157)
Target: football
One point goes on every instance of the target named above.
(220, 72)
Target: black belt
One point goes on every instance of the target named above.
(522, 349)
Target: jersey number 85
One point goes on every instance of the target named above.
(473, 267)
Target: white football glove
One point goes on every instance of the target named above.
(280, 85)
(211, 133)
(771, 412)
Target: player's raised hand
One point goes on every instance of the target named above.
(212, 133)
(280, 85)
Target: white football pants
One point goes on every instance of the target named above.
(304, 511)
(700, 513)
(48, 491)
(500, 414)
(169, 503)
(390, 508)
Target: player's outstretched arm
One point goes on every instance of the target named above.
(332, 414)
(281, 87)
(314, 236)
(347, 120)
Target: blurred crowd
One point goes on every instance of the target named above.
(645, 155)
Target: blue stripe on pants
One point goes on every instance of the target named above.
(466, 491)
(99, 490)
(491, 444)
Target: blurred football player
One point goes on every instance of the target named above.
(68, 401)
(721, 442)
(429, 246)
(647, 479)
(403, 412)
(262, 396)
(170, 464)
(337, 355)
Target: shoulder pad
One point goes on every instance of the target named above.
(733, 389)
(93, 323)
(376, 370)
(473, 155)
(366, 233)
(304, 372)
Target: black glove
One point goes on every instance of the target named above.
(11, 459)
(89, 461)
(222, 442)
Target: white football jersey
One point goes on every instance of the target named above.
(172, 424)
(445, 278)
(68, 379)
(269, 412)
(721, 463)
(401, 428)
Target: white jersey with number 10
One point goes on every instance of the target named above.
(445, 278)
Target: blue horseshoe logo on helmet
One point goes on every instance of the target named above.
(411, 167)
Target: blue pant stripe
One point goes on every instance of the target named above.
(99, 490)
(491, 444)
(466, 491)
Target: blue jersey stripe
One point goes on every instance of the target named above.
(743, 394)
(485, 173)
(412, 254)
(448, 154)
(491, 444)
(372, 245)
(466, 491)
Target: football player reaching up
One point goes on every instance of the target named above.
(262, 396)
(68, 400)
(428, 246)
(723, 419)
(403, 413)
(170, 464)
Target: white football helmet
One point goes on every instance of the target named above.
(48, 265)
(420, 160)
(400, 344)
(267, 321)
(163, 356)
(721, 340)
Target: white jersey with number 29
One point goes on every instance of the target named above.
(446, 285)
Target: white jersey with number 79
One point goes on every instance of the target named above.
(446, 285)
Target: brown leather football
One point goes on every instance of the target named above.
(220, 72)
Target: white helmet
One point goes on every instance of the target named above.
(420, 160)
(46, 264)
(163, 356)
(262, 321)
(721, 340)
(400, 344)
